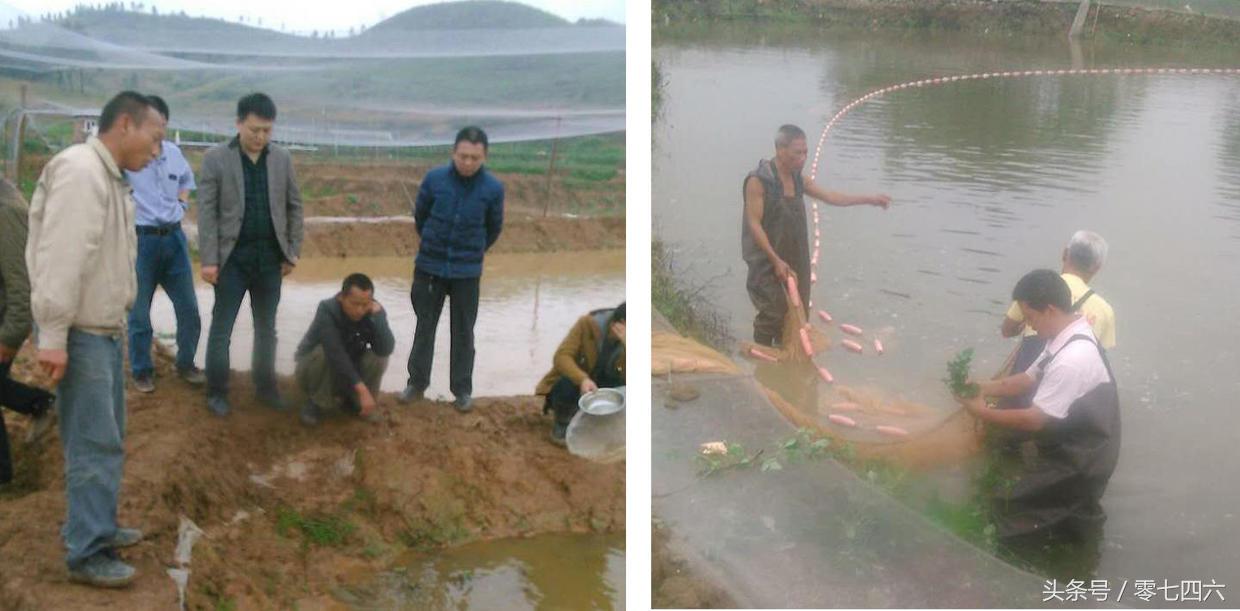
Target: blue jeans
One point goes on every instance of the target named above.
(163, 260)
(91, 407)
(254, 268)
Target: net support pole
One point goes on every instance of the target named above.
(1078, 24)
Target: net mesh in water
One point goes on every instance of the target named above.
(809, 533)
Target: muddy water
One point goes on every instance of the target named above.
(990, 179)
(528, 304)
(551, 572)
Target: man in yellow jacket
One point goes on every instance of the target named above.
(590, 357)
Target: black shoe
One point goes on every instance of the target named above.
(558, 433)
(411, 394)
(144, 383)
(40, 424)
(273, 400)
(463, 404)
(192, 375)
(218, 404)
(310, 414)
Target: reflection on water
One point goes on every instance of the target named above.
(989, 180)
(547, 573)
(528, 304)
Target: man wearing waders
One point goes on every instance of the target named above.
(1074, 419)
(1082, 260)
(774, 235)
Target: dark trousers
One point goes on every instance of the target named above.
(769, 298)
(253, 267)
(23, 400)
(428, 295)
(163, 260)
(562, 400)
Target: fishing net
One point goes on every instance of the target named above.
(807, 533)
(375, 89)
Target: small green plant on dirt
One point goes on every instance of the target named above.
(215, 595)
(363, 501)
(352, 199)
(957, 379)
(319, 530)
(373, 549)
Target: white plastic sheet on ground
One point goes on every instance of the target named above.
(187, 534)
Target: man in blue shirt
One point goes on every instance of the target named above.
(458, 216)
(161, 196)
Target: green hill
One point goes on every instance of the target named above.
(470, 15)
(144, 29)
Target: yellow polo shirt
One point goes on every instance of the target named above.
(1096, 310)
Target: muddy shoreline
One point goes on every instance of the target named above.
(977, 17)
(363, 208)
(398, 238)
(425, 478)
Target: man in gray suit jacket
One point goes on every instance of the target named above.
(249, 236)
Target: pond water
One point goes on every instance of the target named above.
(528, 304)
(989, 180)
(547, 573)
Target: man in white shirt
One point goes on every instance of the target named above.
(1082, 260)
(1074, 418)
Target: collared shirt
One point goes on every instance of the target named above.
(1095, 309)
(256, 224)
(157, 187)
(1072, 374)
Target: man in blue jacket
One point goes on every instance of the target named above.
(458, 216)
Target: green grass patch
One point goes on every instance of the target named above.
(321, 530)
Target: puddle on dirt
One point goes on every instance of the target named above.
(529, 302)
(550, 572)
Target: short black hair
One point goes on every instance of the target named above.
(473, 135)
(787, 134)
(257, 104)
(361, 281)
(159, 105)
(1041, 288)
(617, 315)
(129, 103)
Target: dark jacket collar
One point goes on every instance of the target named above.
(468, 181)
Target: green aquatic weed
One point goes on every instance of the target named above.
(958, 375)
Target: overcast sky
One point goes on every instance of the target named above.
(303, 16)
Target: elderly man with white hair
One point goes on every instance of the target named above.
(1082, 259)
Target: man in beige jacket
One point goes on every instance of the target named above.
(80, 254)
